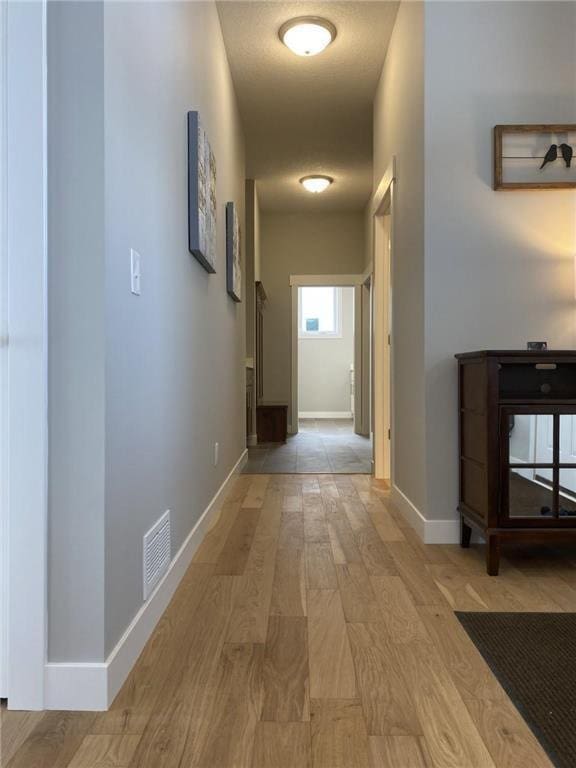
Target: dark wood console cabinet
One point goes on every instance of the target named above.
(517, 437)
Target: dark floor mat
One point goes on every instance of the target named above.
(533, 655)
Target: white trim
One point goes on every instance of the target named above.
(326, 280)
(381, 193)
(319, 336)
(93, 686)
(293, 409)
(77, 687)
(4, 444)
(325, 415)
(367, 275)
(252, 440)
(358, 366)
(383, 339)
(430, 531)
(27, 325)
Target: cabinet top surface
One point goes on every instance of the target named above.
(569, 354)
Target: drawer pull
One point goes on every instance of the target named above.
(545, 366)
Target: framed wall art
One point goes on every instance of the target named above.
(201, 195)
(534, 157)
(233, 255)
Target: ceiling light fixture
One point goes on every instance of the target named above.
(316, 183)
(307, 35)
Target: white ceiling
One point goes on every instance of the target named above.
(305, 115)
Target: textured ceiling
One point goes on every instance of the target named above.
(307, 115)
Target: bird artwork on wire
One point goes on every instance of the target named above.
(552, 154)
(567, 153)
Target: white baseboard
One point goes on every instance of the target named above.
(430, 531)
(252, 440)
(76, 686)
(325, 414)
(92, 686)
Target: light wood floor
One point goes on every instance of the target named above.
(314, 630)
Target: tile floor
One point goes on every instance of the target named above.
(321, 445)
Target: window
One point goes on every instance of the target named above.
(319, 312)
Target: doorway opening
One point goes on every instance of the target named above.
(328, 433)
(329, 413)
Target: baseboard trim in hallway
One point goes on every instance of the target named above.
(92, 686)
(430, 531)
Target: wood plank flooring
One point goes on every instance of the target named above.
(314, 630)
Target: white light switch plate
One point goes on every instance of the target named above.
(134, 272)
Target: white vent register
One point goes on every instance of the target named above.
(156, 553)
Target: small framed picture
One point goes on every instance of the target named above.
(534, 157)
(233, 255)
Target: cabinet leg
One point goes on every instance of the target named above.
(465, 534)
(493, 555)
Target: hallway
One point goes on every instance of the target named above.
(314, 630)
(321, 445)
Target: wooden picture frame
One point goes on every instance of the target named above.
(519, 151)
(201, 195)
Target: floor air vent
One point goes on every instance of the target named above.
(156, 553)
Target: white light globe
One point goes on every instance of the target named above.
(316, 184)
(307, 36)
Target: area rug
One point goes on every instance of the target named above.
(533, 655)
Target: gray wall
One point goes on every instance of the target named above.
(175, 355)
(300, 243)
(472, 268)
(499, 265)
(173, 374)
(324, 366)
(399, 133)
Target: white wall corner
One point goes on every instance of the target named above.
(93, 686)
(430, 531)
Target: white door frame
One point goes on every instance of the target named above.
(383, 335)
(364, 352)
(3, 370)
(297, 281)
(24, 234)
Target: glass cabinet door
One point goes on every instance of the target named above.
(539, 466)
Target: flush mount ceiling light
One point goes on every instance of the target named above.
(316, 183)
(307, 35)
